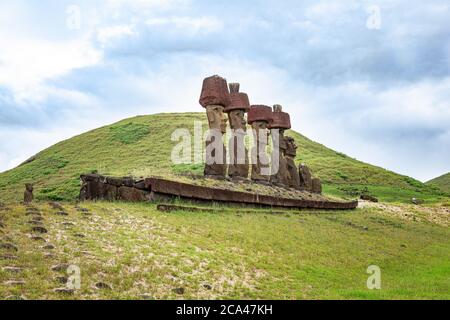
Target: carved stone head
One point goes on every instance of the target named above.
(291, 147)
(216, 118)
(237, 120)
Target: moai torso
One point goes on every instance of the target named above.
(281, 122)
(305, 178)
(214, 98)
(316, 186)
(291, 152)
(239, 165)
(28, 195)
(260, 117)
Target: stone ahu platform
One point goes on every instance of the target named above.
(97, 187)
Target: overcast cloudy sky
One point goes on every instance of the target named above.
(367, 78)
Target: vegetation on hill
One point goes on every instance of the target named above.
(142, 146)
(443, 182)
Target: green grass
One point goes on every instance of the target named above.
(443, 182)
(141, 146)
(253, 255)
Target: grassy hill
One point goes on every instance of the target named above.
(142, 145)
(443, 182)
(134, 251)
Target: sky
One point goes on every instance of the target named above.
(367, 78)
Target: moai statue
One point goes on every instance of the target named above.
(305, 178)
(215, 97)
(281, 122)
(260, 117)
(239, 164)
(28, 195)
(291, 153)
(316, 186)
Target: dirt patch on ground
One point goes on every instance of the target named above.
(435, 214)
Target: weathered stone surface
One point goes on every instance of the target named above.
(38, 238)
(38, 229)
(103, 286)
(259, 113)
(56, 205)
(279, 174)
(8, 246)
(28, 194)
(215, 92)
(280, 119)
(64, 291)
(238, 166)
(60, 267)
(291, 153)
(215, 151)
(316, 186)
(238, 100)
(305, 178)
(179, 291)
(367, 197)
(132, 194)
(12, 269)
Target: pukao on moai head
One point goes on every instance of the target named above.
(291, 153)
(260, 117)
(215, 97)
(239, 105)
(281, 122)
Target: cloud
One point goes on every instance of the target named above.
(378, 95)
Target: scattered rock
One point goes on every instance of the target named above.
(49, 255)
(8, 246)
(403, 245)
(60, 267)
(64, 290)
(37, 238)
(416, 201)
(61, 213)
(56, 205)
(367, 197)
(37, 218)
(146, 296)
(14, 283)
(15, 298)
(36, 223)
(39, 230)
(48, 247)
(61, 280)
(178, 290)
(103, 286)
(207, 286)
(79, 235)
(8, 257)
(68, 224)
(12, 269)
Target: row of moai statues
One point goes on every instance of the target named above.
(220, 99)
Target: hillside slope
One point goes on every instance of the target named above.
(443, 182)
(141, 146)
